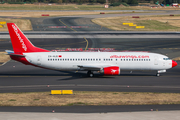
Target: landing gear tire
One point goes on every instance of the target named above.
(157, 74)
(90, 74)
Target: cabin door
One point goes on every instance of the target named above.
(39, 60)
(155, 60)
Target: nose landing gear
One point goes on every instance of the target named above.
(160, 71)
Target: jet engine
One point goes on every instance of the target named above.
(113, 70)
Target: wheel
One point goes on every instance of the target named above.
(157, 74)
(90, 74)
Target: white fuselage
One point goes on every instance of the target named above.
(125, 60)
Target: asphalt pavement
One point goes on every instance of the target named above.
(16, 77)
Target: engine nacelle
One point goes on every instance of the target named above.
(113, 70)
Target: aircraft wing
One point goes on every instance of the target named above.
(92, 67)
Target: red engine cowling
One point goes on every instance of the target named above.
(113, 70)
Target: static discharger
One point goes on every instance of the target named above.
(140, 26)
(61, 92)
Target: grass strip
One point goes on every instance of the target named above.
(4, 58)
(151, 23)
(23, 24)
(59, 13)
(88, 98)
(42, 6)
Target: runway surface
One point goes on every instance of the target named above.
(65, 24)
(16, 77)
(81, 22)
(92, 109)
(150, 115)
(167, 46)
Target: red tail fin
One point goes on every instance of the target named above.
(20, 42)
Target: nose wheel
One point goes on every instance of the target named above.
(90, 73)
(157, 74)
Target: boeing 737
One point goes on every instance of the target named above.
(108, 63)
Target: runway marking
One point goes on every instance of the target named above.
(86, 44)
(67, 25)
(5, 62)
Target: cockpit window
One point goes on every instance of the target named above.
(166, 59)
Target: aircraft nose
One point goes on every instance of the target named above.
(174, 63)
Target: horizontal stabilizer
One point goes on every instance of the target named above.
(9, 52)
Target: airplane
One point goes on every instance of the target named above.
(108, 63)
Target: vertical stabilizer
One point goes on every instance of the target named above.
(20, 42)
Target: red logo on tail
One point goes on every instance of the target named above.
(19, 37)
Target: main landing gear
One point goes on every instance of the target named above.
(157, 74)
(90, 73)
